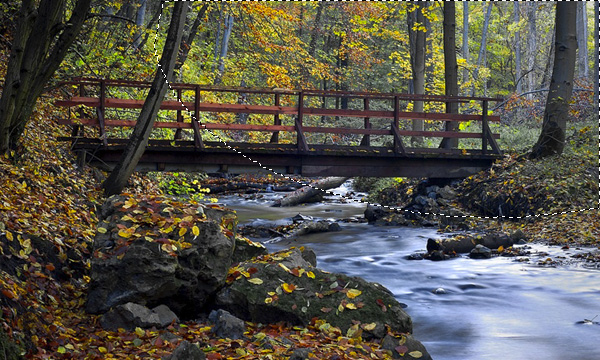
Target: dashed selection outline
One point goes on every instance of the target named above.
(395, 209)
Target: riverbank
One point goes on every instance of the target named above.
(48, 216)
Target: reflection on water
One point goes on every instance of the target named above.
(488, 309)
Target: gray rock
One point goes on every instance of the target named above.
(300, 354)
(137, 270)
(165, 316)
(301, 218)
(447, 193)
(246, 249)
(227, 326)
(481, 252)
(412, 348)
(309, 297)
(130, 315)
(186, 351)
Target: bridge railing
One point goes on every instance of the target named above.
(191, 100)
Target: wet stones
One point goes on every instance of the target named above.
(480, 252)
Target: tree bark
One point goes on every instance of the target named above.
(552, 138)
(531, 47)
(417, 39)
(224, 48)
(305, 193)
(139, 23)
(518, 70)
(186, 44)
(41, 42)
(119, 176)
(451, 70)
(583, 68)
(483, 47)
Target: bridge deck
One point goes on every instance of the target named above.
(292, 155)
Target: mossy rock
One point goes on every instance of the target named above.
(267, 290)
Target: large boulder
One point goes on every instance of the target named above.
(154, 251)
(285, 286)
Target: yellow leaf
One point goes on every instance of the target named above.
(352, 293)
(310, 274)
(61, 350)
(255, 281)
(351, 306)
(195, 231)
(288, 288)
(9, 236)
(268, 300)
(416, 354)
(103, 350)
(124, 233)
(369, 327)
(501, 248)
(284, 267)
(182, 231)
(140, 332)
(101, 230)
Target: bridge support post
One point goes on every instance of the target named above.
(277, 121)
(101, 111)
(366, 140)
(300, 138)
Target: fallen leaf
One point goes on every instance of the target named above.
(416, 354)
(255, 281)
(195, 230)
(352, 293)
(288, 288)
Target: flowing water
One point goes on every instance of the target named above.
(492, 309)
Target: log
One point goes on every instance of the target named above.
(306, 193)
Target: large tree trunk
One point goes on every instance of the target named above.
(119, 176)
(583, 67)
(306, 193)
(40, 44)
(552, 138)
(417, 39)
(451, 70)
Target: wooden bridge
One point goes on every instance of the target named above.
(279, 129)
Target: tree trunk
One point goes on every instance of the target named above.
(552, 138)
(186, 44)
(518, 70)
(139, 23)
(41, 42)
(583, 68)
(305, 193)
(417, 40)
(451, 70)
(224, 48)
(531, 48)
(312, 46)
(465, 41)
(119, 176)
(483, 47)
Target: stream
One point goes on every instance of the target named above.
(462, 308)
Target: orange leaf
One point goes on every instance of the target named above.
(288, 288)
(9, 294)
